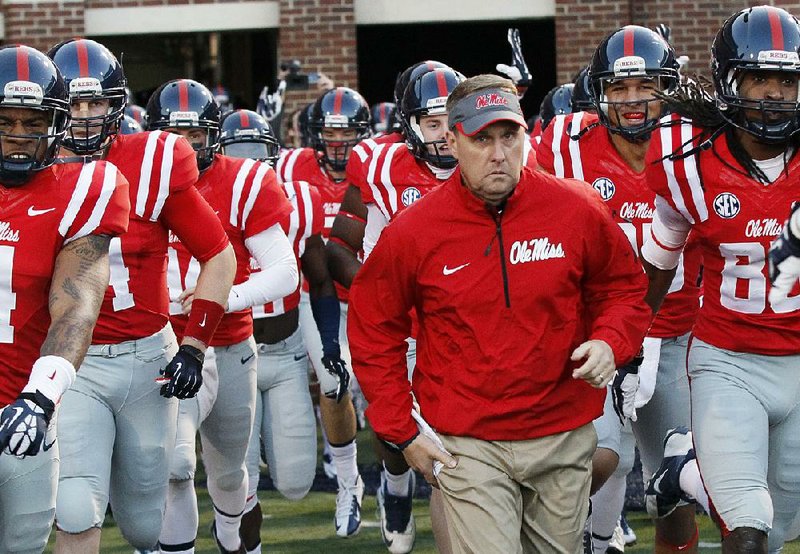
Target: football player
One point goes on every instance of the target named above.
(383, 117)
(250, 205)
(56, 223)
(284, 417)
(629, 69)
(725, 168)
(339, 119)
(111, 451)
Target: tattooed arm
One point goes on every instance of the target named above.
(80, 279)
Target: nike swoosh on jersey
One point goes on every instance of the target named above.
(449, 271)
(34, 212)
(300, 357)
(247, 359)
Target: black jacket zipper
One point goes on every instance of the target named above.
(498, 217)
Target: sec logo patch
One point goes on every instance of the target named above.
(605, 187)
(727, 205)
(410, 195)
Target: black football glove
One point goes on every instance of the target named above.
(184, 372)
(784, 260)
(23, 425)
(624, 387)
(336, 367)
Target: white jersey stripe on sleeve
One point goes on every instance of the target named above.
(280, 163)
(255, 188)
(238, 186)
(109, 184)
(291, 159)
(692, 176)
(558, 135)
(575, 147)
(669, 171)
(386, 176)
(147, 170)
(294, 217)
(309, 211)
(77, 199)
(376, 193)
(358, 150)
(166, 175)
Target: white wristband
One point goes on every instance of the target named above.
(52, 376)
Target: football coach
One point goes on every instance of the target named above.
(528, 297)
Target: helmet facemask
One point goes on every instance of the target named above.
(430, 151)
(87, 135)
(611, 113)
(770, 121)
(16, 168)
(336, 152)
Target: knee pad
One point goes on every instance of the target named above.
(229, 481)
(294, 491)
(77, 508)
(183, 463)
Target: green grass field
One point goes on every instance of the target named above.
(307, 526)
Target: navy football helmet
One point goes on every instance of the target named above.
(763, 38)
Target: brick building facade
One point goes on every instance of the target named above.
(324, 33)
(581, 24)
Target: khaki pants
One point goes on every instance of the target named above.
(519, 496)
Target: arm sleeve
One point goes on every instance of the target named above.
(278, 276)
(668, 235)
(614, 286)
(193, 221)
(376, 222)
(378, 323)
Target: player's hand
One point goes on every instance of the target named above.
(784, 260)
(422, 454)
(336, 367)
(183, 375)
(270, 105)
(23, 424)
(186, 299)
(598, 367)
(518, 70)
(624, 387)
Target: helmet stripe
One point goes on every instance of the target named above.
(382, 109)
(23, 68)
(243, 119)
(83, 58)
(337, 101)
(628, 42)
(183, 96)
(441, 83)
(775, 28)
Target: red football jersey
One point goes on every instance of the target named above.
(305, 220)
(735, 219)
(302, 164)
(248, 200)
(58, 205)
(159, 167)
(395, 179)
(358, 165)
(594, 159)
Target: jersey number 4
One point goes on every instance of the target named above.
(8, 298)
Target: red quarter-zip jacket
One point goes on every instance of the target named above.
(503, 299)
